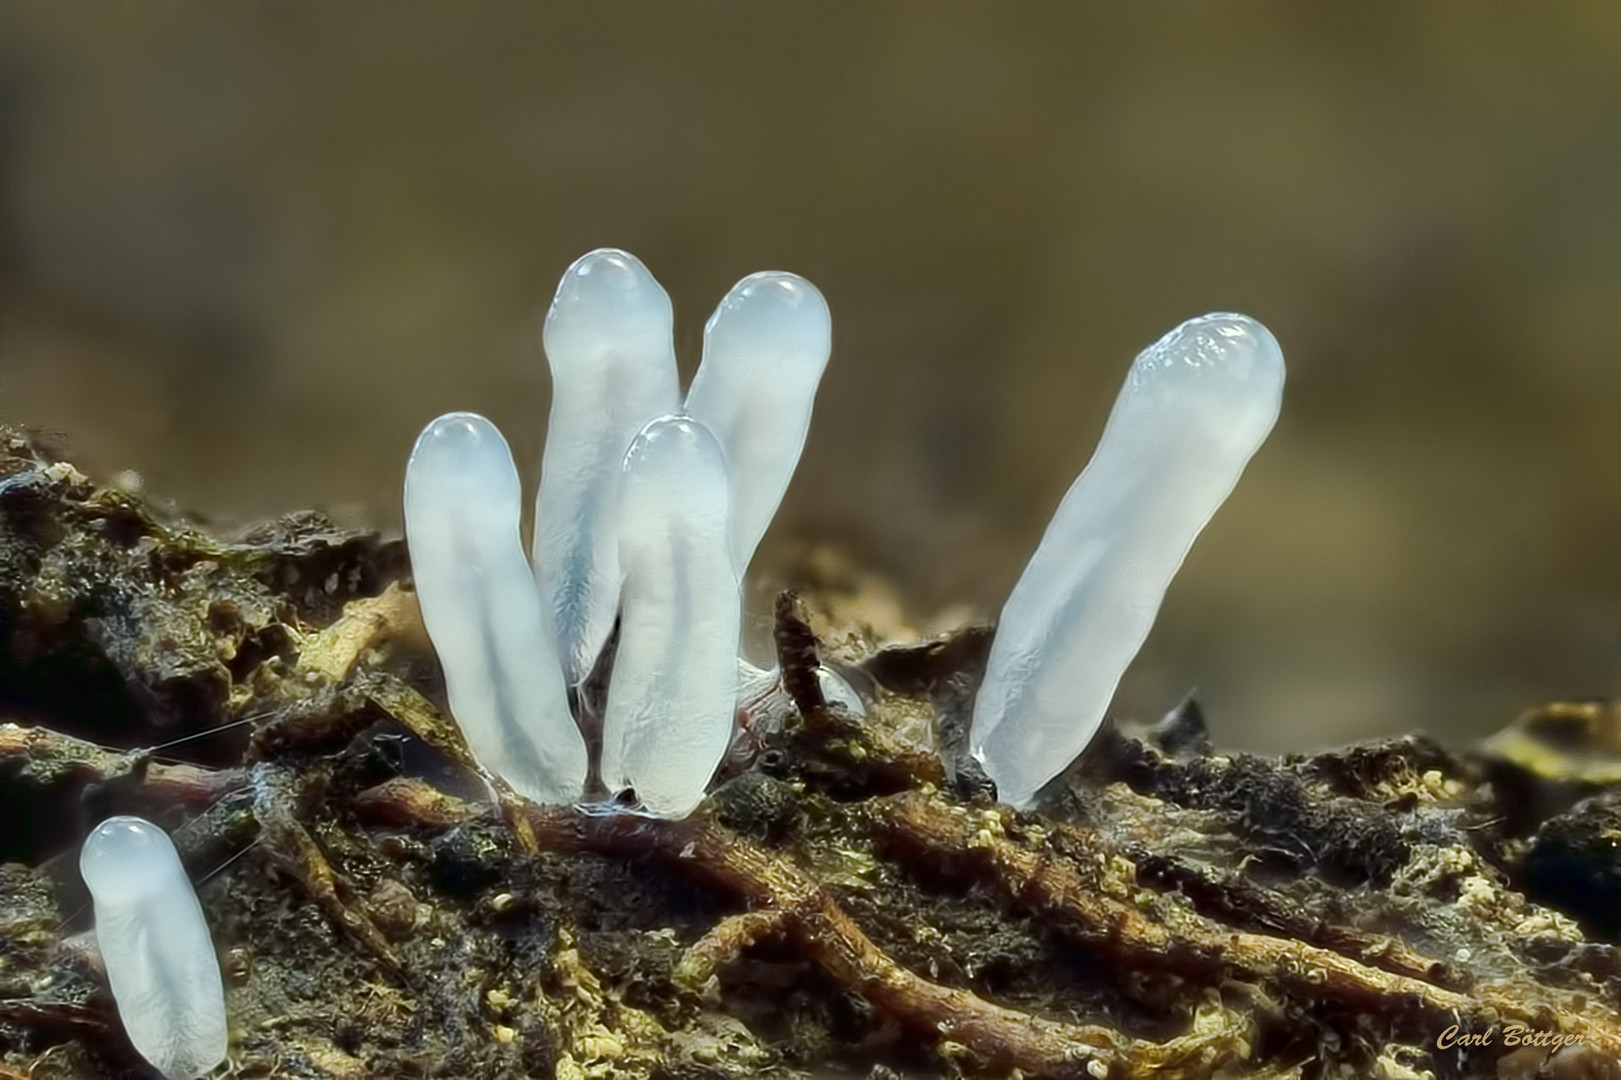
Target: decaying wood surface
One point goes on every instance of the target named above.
(851, 900)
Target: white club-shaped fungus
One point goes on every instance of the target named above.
(608, 339)
(1196, 406)
(160, 961)
(642, 513)
(481, 609)
(673, 693)
(765, 348)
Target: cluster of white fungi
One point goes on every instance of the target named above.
(649, 509)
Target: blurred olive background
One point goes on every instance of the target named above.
(247, 250)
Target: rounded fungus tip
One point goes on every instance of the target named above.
(607, 301)
(453, 451)
(772, 318)
(1228, 361)
(667, 447)
(125, 858)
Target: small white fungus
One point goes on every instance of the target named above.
(482, 611)
(609, 341)
(1196, 406)
(153, 939)
(673, 693)
(765, 348)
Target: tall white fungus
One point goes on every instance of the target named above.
(1197, 405)
(674, 688)
(765, 348)
(609, 341)
(501, 664)
(154, 941)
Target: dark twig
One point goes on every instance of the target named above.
(973, 841)
(797, 659)
(785, 899)
(871, 755)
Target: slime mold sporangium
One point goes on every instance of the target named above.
(644, 514)
(160, 959)
(651, 517)
(1196, 406)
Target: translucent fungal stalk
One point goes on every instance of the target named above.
(155, 944)
(674, 688)
(608, 338)
(1196, 406)
(502, 669)
(764, 351)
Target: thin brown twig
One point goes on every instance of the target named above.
(973, 840)
(885, 762)
(46, 752)
(295, 850)
(807, 915)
